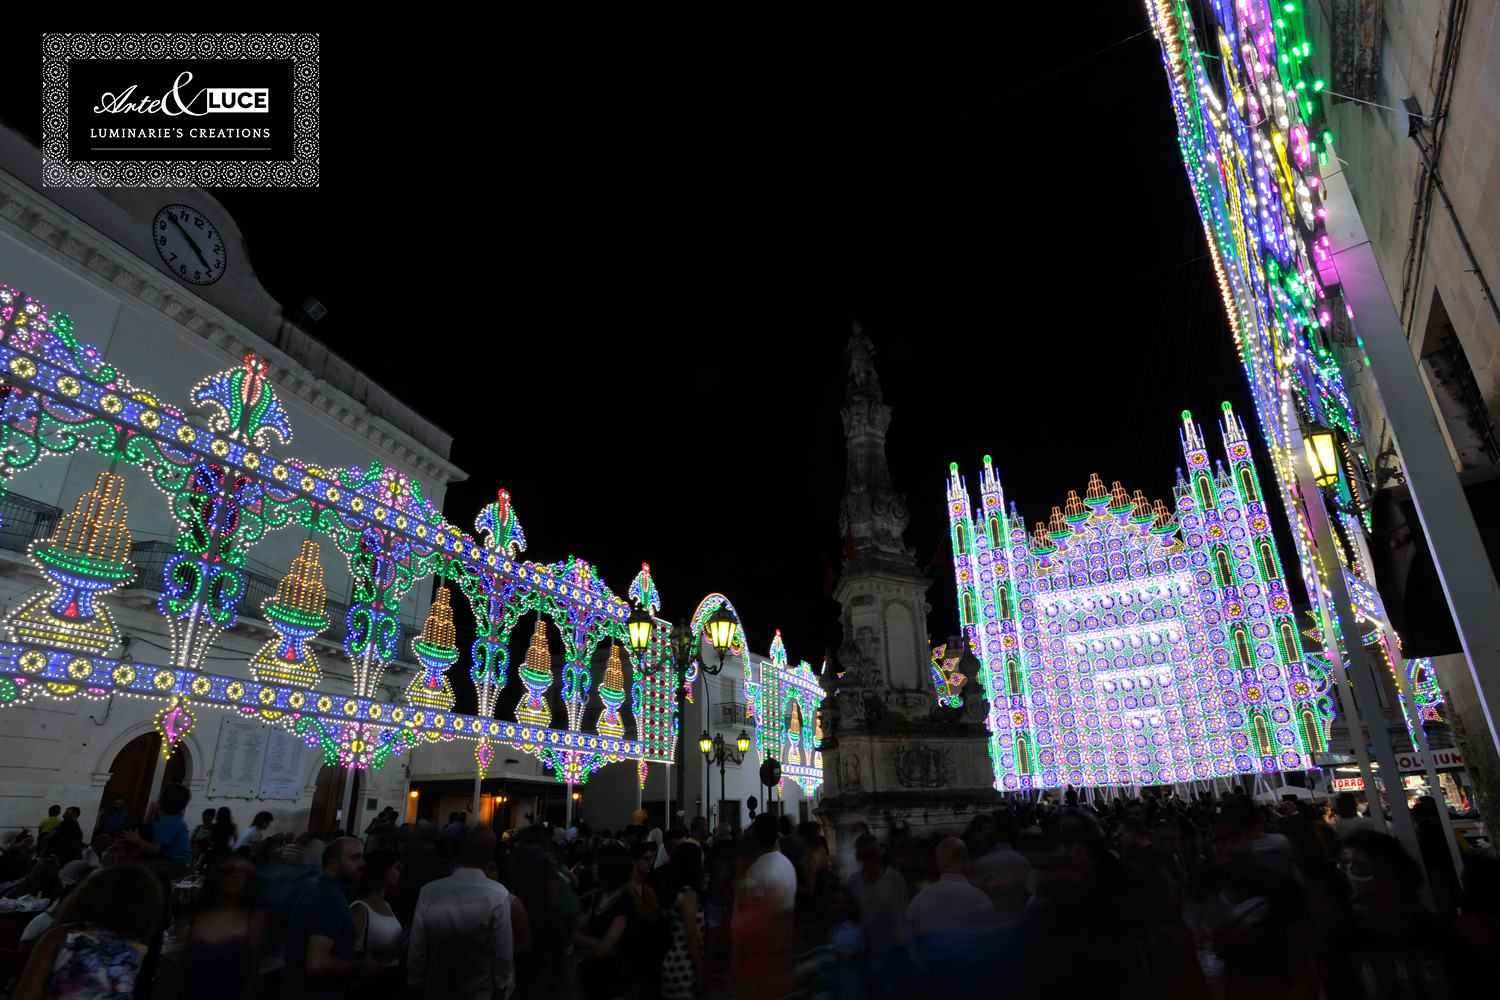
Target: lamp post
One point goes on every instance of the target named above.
(642, 626)
(716, 751)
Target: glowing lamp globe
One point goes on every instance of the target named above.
(721, 629)
(1322, 456)
(743, 743)
(640, 625)
(705, 743)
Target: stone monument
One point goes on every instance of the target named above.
(891, 753)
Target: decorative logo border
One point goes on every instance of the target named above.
(303, 170)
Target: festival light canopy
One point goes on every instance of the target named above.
(1122, 643)
(226, 488)
(1249, 108)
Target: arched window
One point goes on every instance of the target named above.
(1206, 492)
(1242, 647)
(968, 609)
(1247, 484)
(961, 540)
(1291, 643)
(1013, 677)
(1310, 732)
(1263, 736)
(1023, 758)
(995, 532)
(1268, 562)
(1002, 600)
(1226, 576)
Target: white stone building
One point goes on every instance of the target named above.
(90, 253)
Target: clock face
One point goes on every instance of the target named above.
(189, 244)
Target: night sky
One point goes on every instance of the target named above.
(619, 263)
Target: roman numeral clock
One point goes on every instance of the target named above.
(189, 244)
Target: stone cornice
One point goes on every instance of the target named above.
(37, 221)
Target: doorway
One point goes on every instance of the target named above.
(133, 771)
(328, 799)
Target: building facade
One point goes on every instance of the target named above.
(89, 253)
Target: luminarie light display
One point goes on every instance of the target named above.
(226, 490)
(437, 649)
(85, 559)
(297, 612)
(784, 700)
(1249, 109)
(1125, 644)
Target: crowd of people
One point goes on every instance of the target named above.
(1206, 897)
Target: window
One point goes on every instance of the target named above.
(1226, 576)
(1247, 484)
(1013, 676)
(994, 532)
(1205, 493)
(968, 609)
(1242, 647)
(1023, 757)
(961, 540)
(1268, 565)
(1002, 599)
(1291, 643)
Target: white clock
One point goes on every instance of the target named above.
(189, 244)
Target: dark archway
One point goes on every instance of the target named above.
(133, 770)
(329, 799)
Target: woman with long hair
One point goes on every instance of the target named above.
(225, 833)
(376, 930)
(103, 931)
(682, 972)
(221, 940)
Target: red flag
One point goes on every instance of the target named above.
(830, 578)
(848, 541)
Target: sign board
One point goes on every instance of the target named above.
(1414, 762)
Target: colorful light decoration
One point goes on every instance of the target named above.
(784, 701)
(1248, 107)
(226, 490)
(173, 722)
(1116, 653)
(297, 612)
(436, 650)
(947, 679)
(612, 693)
(536, 674)
(85, 559)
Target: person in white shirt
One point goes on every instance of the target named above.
(763, 913)
(462, 944)
(950, 903)
(255, 832)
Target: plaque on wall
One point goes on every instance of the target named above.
(238, 759)
(281, 774)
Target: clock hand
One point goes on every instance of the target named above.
(189, 238)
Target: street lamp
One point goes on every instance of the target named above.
(1322, 456)
(715, 751)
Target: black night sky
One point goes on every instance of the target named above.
(619, 262)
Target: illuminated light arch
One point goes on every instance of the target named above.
(226, 489)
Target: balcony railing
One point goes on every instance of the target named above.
(731, 714)
(23, 520)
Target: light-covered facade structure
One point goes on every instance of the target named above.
(1123, 644)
